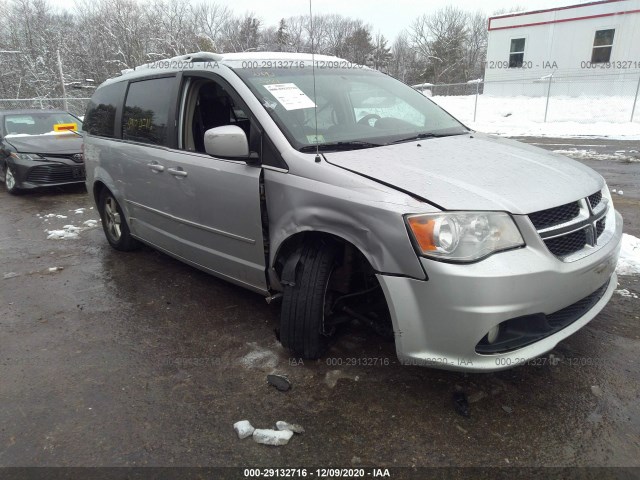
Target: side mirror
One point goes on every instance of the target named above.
(228, 141)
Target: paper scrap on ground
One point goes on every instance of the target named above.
(272, 437)
(243, 428)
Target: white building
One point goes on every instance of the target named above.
(591, 48)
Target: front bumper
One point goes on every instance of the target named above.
(31, 174)
(440, 322)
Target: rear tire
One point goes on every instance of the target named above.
(302, 328)
(114, 224)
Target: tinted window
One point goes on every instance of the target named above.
(146, 111)
(100, 117)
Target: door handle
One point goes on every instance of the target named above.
(177, 172)
(155, 166)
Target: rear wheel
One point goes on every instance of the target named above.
(304, 329)
(10, 180)
(114, 224)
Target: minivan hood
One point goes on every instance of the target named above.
(67, 143)
(475, 172)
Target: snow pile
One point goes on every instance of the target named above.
(626, 293)
(567, 116)
(629, 262)
(67, 232)
(621, 156)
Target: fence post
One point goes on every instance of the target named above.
(635, 100)
(546, 107)
(475, 107)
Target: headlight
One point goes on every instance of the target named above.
(25, 156)
(463, 236)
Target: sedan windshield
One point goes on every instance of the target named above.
(44, 123)
(347, 108)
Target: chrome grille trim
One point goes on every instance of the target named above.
(591, 218)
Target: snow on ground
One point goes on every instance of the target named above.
(629, 262)
(626, 293)
(619, 156)
(67, 232)
(596, 117)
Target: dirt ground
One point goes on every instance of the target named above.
(134, 359)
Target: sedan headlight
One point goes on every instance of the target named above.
(463, 236)
(25, 156)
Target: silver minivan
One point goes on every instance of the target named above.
(346, 194)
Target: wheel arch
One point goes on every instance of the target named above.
(285, 252)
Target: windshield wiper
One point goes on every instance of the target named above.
(421, 136)
(351, 145)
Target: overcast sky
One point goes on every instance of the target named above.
(387, 16)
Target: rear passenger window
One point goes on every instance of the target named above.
(146, 111)
(100, 117)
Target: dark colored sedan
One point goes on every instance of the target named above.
(40, 148)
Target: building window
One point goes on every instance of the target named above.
(602, 45)
(516, 55)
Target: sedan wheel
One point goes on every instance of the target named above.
(10, 180)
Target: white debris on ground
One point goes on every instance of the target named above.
(581, 153)
(243, 428)
(55, 269)
(524, 116)
(272, 437)
(626, 293)
(10, 275)
(629, 261)
(67, 232)
(331, 378)
(293, 427)
(260, 357)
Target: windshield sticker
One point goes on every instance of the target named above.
(65, 127)
(313, 139)
(290, 96)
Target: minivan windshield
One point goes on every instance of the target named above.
(354, 108)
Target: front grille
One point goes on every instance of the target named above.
(600, 226)
(55, 173)
(522, 331)
(595, 199)
(554, 216)
(76, 157)
(567, 244)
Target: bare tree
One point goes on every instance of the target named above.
(210, 20)
(440, 40)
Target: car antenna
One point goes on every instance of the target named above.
(313, 73)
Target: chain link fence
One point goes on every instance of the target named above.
(76, 106)
(610, 98)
